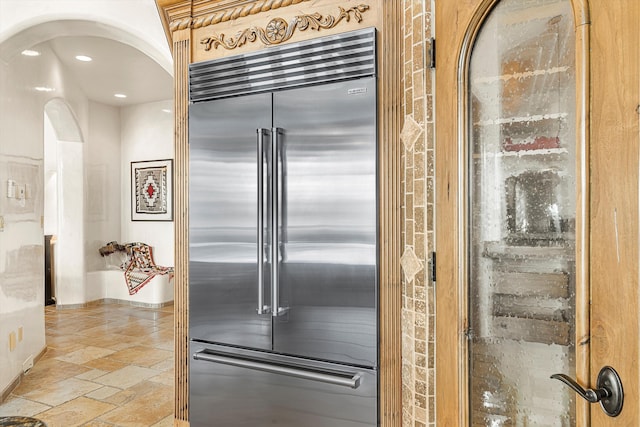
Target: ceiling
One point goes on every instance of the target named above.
(115, 68)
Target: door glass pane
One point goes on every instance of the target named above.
(521, 218)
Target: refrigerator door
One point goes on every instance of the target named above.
(252, 388)
(224, 200)
(327, 225)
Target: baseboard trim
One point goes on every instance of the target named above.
(113, 301)
(16, 381)
(136, 303)
(7, 391)
(80, 305)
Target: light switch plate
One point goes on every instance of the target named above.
(11, 189)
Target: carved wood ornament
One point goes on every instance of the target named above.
(278, 30)
(229, 13)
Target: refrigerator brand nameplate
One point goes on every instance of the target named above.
(356, 91)
(322, 60)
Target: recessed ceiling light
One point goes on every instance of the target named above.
(84, 58)
(29, 52)
(166, 110)
(44, 89)
(120, 95)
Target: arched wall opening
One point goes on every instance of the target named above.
(64, 201)
(44, 28)
(73, 115)
(88, 139)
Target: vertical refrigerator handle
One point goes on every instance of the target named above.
(262, 308)
(275, 224)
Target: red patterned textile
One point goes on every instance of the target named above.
(140, 268)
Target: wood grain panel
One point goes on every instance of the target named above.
(181, 58)
(582, 280)
(615, 96)
(390, 219)
(451, 377)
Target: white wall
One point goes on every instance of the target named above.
(140, 141)
(50, 178)
(103, 192)
(21, 159)
(24, 23)
(69, 257)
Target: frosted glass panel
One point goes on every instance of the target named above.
(521, 219)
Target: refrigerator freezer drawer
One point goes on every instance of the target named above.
(248, 388)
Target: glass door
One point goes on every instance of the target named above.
(521, 215)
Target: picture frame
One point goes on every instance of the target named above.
(152, 190)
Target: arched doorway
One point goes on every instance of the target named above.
(606, 211)
(64, 200)
(24, 98)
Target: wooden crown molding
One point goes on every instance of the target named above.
(171, 11)
(231, 10)
(278, 30)
(182, 14)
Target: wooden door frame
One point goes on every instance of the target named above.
(464, 19)
(615, 167)
(181, 20)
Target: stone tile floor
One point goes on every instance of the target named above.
(105, 365)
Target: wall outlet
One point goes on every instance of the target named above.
(20, 332)
(27, 364)
(12, 341)
(1, 223)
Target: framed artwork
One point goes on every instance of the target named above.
(152, 190)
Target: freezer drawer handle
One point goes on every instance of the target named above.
(347, 379)
(262, 308)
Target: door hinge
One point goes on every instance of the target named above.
(431, 53)
(433, 267)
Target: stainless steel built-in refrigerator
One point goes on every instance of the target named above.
(283, 237)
